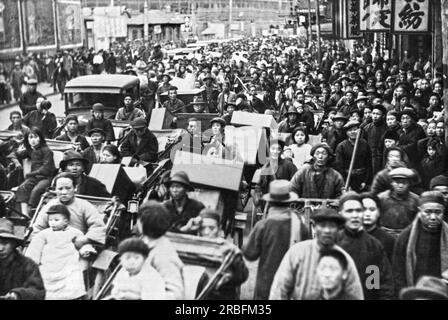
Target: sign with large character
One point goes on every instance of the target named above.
(411, 16)
(353, 19)
(375, 15)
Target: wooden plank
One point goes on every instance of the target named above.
(206, 171)
(254, 119)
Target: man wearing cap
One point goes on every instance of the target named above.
(174, 105)
(296, 277)
(210, 95)
(361, 175)
(410, 133)
(129, 112)
(272, 237)
(93, 153)
(399, 205)
(337, 94)
(374, 133)
(71, 133)
(75, 164)
(28, 99)
(20, 278)
(422, 248)
(140, 143)
(98, 121)
(334, 135)
(347, 104)
(182, 208)
(365, 250)
(290, 123)
(317, 179)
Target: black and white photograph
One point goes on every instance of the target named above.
(223, 155)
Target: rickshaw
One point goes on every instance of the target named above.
(109, 89)
(106, 259)
(205, 263)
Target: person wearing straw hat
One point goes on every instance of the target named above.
(20, 278)
(272, 237)
(181, 207)
(296, 277)
(427, 288)
(422, 248)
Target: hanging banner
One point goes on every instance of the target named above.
(353, 19)
(375, 15)
(70, 22)
(9, 25)
(411, 16)
(39, 23)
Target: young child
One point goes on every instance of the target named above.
(300, 149)
(98, 121)
(42, 170)
(55, 252)
(332, 274)
(136, 280)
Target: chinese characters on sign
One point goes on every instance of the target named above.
(375, 15)
(353, 19)
(411, 15)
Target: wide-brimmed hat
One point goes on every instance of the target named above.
(279, 191)
(182, 178)
(71, 155)
(219, 120)
(291, 110)
(427, 287)
(7, 230)
(362, 97)
(340, 116)
(328, 214)
(167, 75)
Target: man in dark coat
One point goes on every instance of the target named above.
(422, 248)
(365, 250)
(28, 99)
(93, 153)
(42, 118)
(335, 134)
(74, 163)
(71, 134)
(182, 209)
(361, 175)
(98, 121)
(272, 237)
(373, 133)
(317, 179)
(410, 133)
(290, 123)
(20, 278)
(140, 144)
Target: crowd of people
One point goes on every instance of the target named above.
(378, 155)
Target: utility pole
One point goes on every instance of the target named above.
(309, 22)
(230, 18)
(319, 52)
(145, 22)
